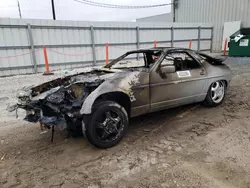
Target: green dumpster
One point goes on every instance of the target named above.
(239, 44)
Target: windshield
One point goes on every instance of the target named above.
(140, 59)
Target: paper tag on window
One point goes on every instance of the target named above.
(182, 74)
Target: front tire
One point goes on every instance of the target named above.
(216, 94)
(107, 124)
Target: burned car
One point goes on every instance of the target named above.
(99, 103)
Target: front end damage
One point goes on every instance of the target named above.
(58, 102)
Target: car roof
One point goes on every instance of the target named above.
(163, 49)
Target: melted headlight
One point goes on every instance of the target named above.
(24, 96)
(23, 100)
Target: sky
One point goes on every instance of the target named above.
(71, 10)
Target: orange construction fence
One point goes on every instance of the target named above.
(155, 44)
(225, 47)
(190, 44)
(107, 53)
(46, 59)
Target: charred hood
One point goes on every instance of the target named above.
(95, 76)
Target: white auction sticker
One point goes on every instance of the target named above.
(244, 42)
(182, 74)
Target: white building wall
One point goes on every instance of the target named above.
(214, 12)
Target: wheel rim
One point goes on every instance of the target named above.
(109, 126)
(217, 91)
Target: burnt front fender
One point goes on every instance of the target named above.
(122, 83)
(104, 88)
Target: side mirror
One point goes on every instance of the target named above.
(168, 69)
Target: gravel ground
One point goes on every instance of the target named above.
(191, 146)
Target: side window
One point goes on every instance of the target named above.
(130, 61)
(184, 61)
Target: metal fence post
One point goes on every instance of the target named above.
(199, 39)
(93, 43)
(212, 38)
(32, 47)
(172, 36)
(137, 40)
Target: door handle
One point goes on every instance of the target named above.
(202, 72)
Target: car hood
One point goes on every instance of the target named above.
(96, 76)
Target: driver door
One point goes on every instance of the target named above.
(193, 76)
(183, 85)
(165, 89)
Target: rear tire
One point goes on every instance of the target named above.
(216, 94)
(107, 124)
